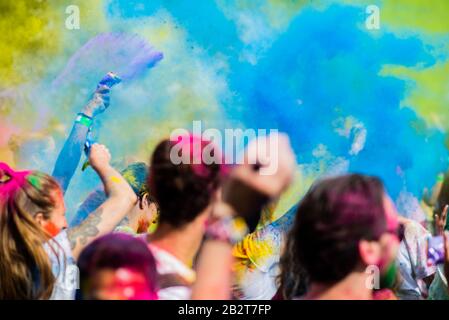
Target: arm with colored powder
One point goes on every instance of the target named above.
(120, 199)
(257, 256)
(70, 155)
(270, 236)
(215, 272)
(72, 150)
(136, 175)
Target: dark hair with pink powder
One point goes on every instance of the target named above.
(332, 218)
(115, 251)
(184, 190)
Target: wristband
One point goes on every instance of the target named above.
(230, 230)
(84, 120)
(440, 177)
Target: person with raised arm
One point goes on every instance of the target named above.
(249, 187)
(144, 214)
(37, 251)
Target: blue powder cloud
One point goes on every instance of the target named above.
(325, 66)
(203, 20)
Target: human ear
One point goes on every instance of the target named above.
(40, 219)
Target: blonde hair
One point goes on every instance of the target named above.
(25, 268)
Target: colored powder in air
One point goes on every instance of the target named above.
(27, 39)
(127, 55)
(296, 66)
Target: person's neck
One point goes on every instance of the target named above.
(131, 220)
(353, 287)
(183, 243)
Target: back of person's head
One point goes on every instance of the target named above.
(117, 266)
(184, 189)
(136, 175)
(25, 269)
(332, 219)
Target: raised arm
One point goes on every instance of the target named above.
(70, 155)
(72, 150)
(120, 199)
(214, 279)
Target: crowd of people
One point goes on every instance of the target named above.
(199, 229)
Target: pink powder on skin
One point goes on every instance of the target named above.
(52, 229)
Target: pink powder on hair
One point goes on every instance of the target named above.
(193, 146)
(14, 181)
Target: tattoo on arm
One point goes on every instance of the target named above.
(124, 222)
(86, 230)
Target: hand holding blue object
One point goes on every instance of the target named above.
(98, 104)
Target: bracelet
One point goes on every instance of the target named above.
(230, 230)
(440, 177)
(84, 120)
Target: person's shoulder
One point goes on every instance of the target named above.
(168, 263)
(413, 229)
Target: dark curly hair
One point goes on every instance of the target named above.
(332, 218)
(183, 190)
